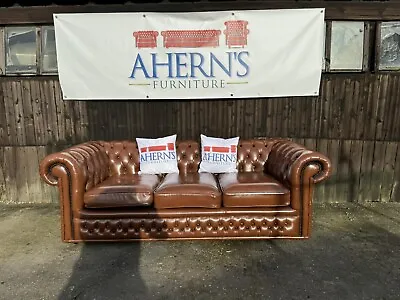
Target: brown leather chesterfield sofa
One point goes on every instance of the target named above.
(103, 198)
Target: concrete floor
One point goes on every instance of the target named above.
(354, 253)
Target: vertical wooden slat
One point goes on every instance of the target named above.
(388, 178)
(59, 105)
(3, 175)
(11, 175)
(366, 172)
(22, 162)
(4, 137)
(379, 106)
(355, 110)
(344, 172)
(377, 170)
(38, 118)
(28, 114)
(10, 113)
(355, 169)
(19, 112)
(395, 191)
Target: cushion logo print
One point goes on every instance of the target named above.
(217, 154)
(158, 153)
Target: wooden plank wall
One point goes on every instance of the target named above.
(354, 121)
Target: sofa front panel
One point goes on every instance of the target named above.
(252, 154)
(124, 157)
(227, 226)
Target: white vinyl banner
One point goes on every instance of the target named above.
(223, 54)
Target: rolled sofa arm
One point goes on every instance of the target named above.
(299, 169)
(295, 165)
(74, 171)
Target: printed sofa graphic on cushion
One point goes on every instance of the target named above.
(104, 198)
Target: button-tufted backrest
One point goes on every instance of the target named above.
(252, 154)
(188, 153)
(124, 157)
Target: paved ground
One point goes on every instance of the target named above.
(353, 254)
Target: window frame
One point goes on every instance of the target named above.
(39, 52)
(378, 48)
(42, 71)
(365, 48)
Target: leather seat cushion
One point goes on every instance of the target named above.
(122, 191)
(188, 190)
(251, 189)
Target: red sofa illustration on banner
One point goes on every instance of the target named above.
(146, 39)
(236, 33)
(191, 38)
(235, 36)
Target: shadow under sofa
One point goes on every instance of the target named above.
(103, 198)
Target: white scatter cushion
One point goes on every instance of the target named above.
(218, 155)
(157, 156)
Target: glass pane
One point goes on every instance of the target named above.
(49, 56)
(347, 43)
(20, 47)
(390, 46)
